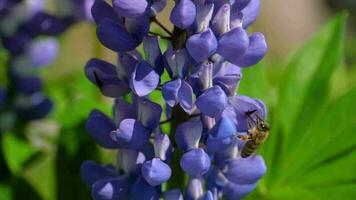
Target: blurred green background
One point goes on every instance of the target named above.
(307, 80)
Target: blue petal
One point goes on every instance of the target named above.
(186, 97)
(153, 53)
(204, 15)
(144, 79)
(255, 52)
(183, 14)
(104, 75)
(163, 147)
(112, 189)
(92, 172)
(202, 77)
(170, 92)
(221, 136)
(132, 134)
(130, 161)
(158, 6)
(102, 10)
(235, 191)
(188, 135)
(27, 84)
(233, 44)
(177, 62)
(141, 190)
(212, 102)
(126, 64)
(130, 8)
(250, 13)
(221, 21)
(123, 110)
(195, 163)
(227, 76)
(156, 172)
(175, 194)
(194, 189)
(137, 26)
(202, 45)
(100, 126)
(115, 37)
(246, 170)
(148, 113)
(43, 52)
(207, 196)
(39, 107)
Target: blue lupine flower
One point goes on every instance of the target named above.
(206, 52)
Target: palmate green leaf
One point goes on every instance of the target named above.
(303, 91)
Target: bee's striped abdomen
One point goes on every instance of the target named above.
(249, 148)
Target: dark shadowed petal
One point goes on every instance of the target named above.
(92, 172)
(104, 76)
(27, 84)
(148, 113)
(39, 107)
(204, 15)
(221, 21)
(43, 52)
(163, 147)
(126, 64)
(101, 10)
(170, 92)
(239, 5)
(130, 8)
(112, 189)
(175, 194)
(156, 172)
(250, 13)
(246, 170)
(137, 26)
(153, 53)
(132, 134)
(188, 134)
(158, 6)
(177, 62)
(221, 136)
(183, 14)
(123, 110)
(100, 126)
(186, 97)
(130, 161)
(255, 52)
(207, 196)
(233, 44)
(141, 190)
(212, 102)
(202, 45)
(233, 191)
(144, 79)
(115, 37)
(194, 189)
(195, 162)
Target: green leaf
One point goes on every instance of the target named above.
(5, 192)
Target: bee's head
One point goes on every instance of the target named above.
(263, 126)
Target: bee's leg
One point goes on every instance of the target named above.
(245, 137)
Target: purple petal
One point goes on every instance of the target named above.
(100, 126)
(250, 13)
(235, 191)
(246, 170)
(170, 92)
(207, 196)
(233, 44)
(156, 172)
(163, 147)
(221, 136)
(43, 52)
(153, 53)
(221, 21)
(144, 79)
(255, 52)
(130, 161)
(183, 14)
(102, 10)
(132, 134)
(175, 194)
(177, 62)
(202, 45)
(202, 77)
(111, 189)
(123, 110)
(212, 102)
(92, 172)
(39, 107)
(115, 37)
(195, 162)
(126, 64)
(27, 84)
(148, 113)
(188, 135)
(158, 6)
(104, 75)
(137, 26)
(130, 8)
(241, 4)
(204, 15)
(186, 97)
(194, 189)
(142, 190)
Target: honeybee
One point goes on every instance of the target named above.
(256, 134)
